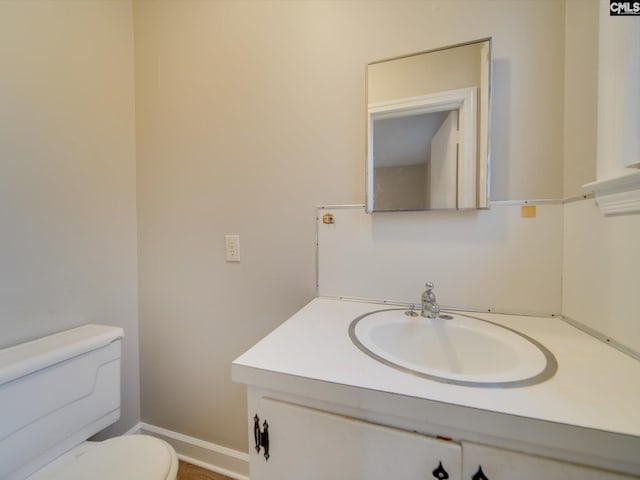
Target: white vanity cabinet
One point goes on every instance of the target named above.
(311, 444)
(335, 413)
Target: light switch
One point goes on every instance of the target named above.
(232, 248)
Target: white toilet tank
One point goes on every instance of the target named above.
(55, 392)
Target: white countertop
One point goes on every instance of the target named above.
(595, 387)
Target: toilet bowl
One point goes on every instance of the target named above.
(60, 390)
(132, 457)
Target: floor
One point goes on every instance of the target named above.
(186, 471)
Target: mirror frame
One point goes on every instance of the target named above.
(390, 108)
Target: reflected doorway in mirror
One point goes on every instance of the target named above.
(411, 171)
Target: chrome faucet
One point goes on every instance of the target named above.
(430, 308)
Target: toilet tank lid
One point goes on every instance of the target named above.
(25, 358)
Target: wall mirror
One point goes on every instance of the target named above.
(428, 129)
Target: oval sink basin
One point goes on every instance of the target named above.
(460, 350)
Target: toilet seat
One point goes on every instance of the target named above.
(131, 457)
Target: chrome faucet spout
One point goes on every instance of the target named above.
(430, 308)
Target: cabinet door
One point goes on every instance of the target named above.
(498, 464)
(307, 444)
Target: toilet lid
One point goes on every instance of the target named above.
(131, 457)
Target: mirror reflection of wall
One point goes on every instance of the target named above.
(402, 172)
(428, 130)
(430, 72)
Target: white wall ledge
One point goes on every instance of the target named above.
(617, 196)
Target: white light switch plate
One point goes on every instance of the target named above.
(232, 248)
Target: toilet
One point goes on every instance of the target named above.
(58, 391)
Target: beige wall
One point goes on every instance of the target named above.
(249, 114)
(600, 268)
(401, 188)
(580, 95)
(67, 174)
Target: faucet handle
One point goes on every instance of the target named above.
(429, 285)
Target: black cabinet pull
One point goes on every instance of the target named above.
(479, 475)
(265, 439)
(261, 438)
(440, 472)
(256, 432)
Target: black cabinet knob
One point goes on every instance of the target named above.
(440, 472)
(261, 437)
(479, 475)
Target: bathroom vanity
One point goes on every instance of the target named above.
(319, 408)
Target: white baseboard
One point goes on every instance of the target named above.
(133, 430)
(211, 456)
